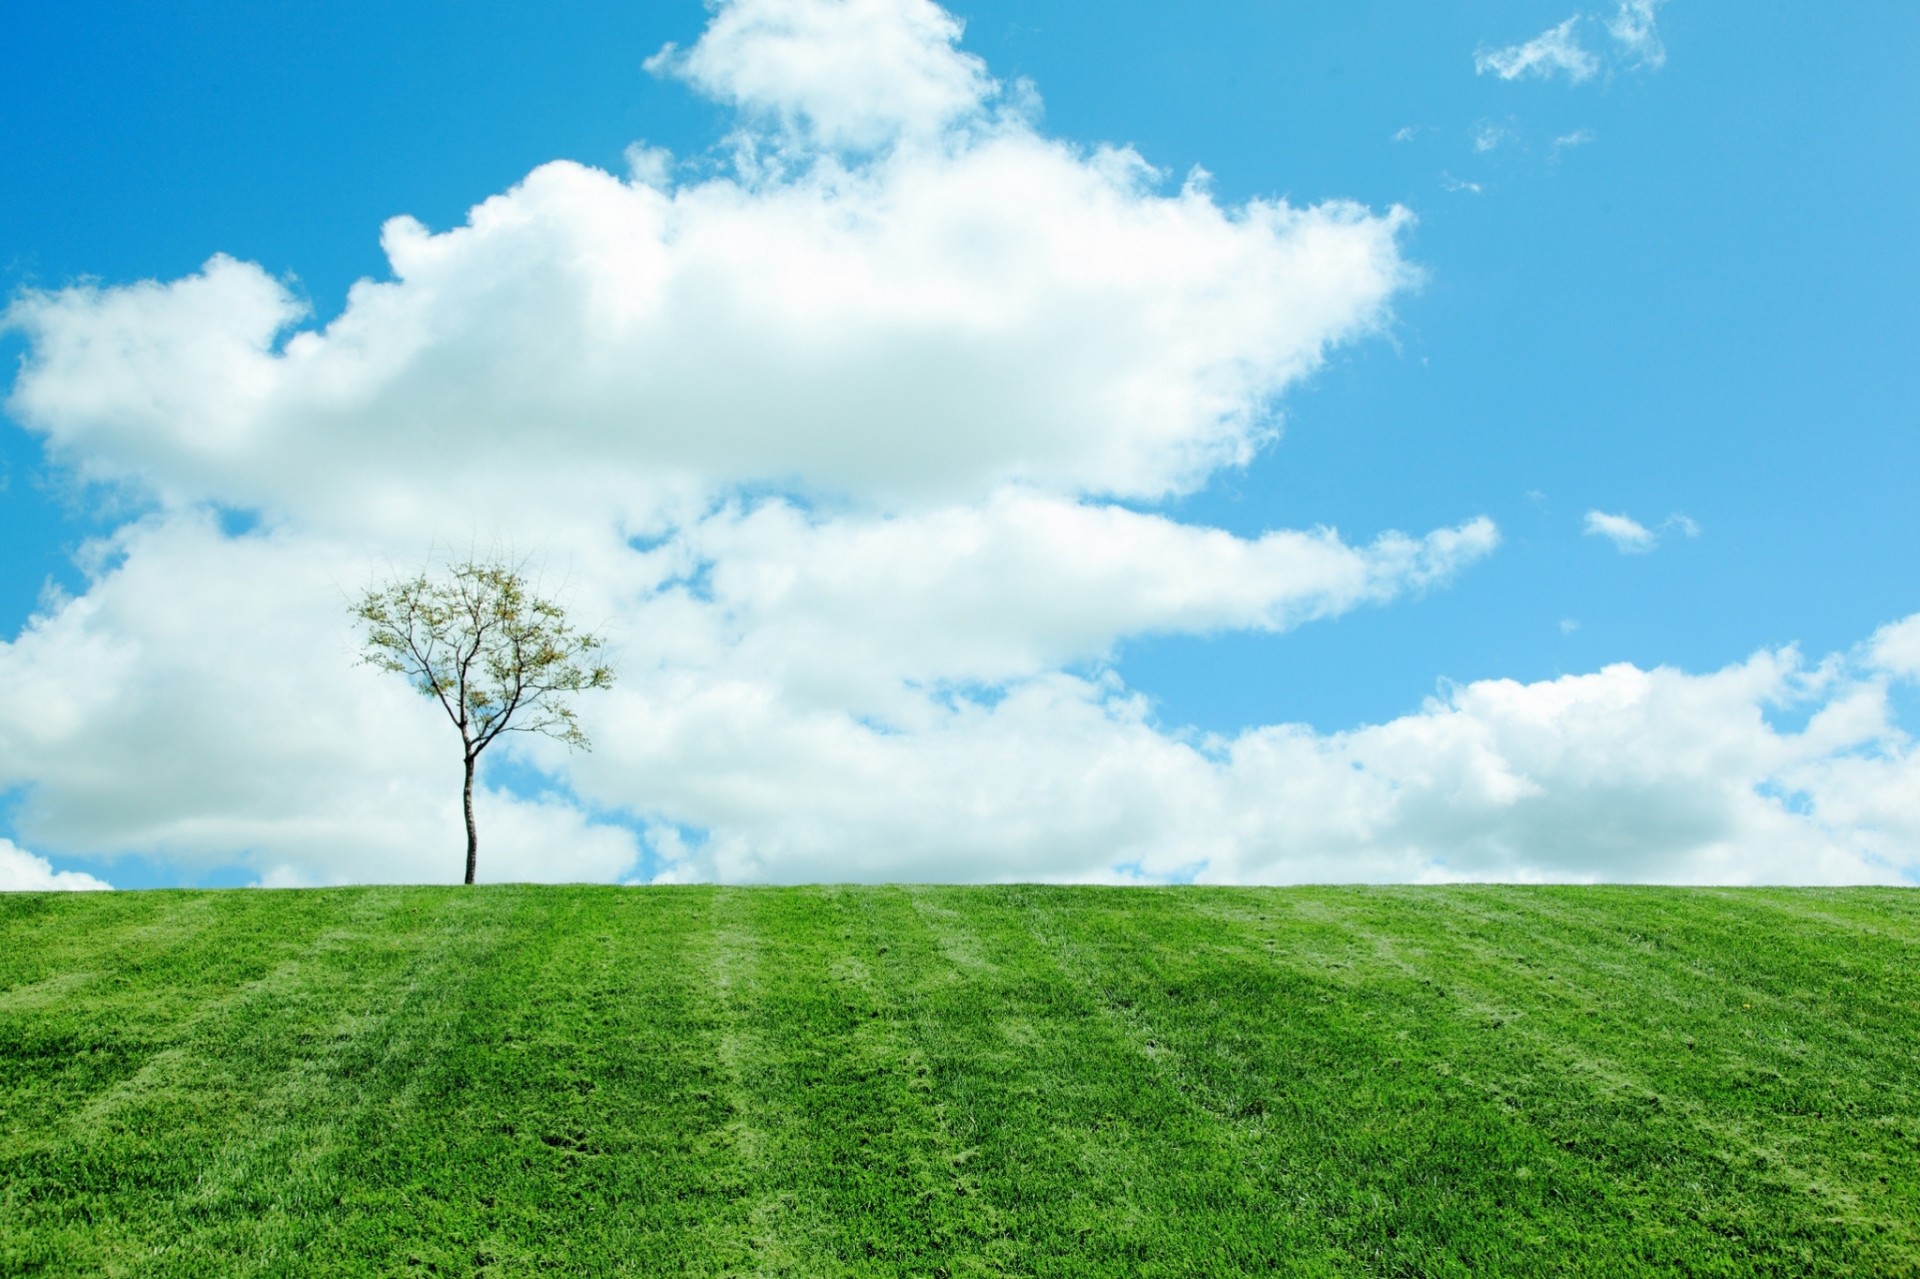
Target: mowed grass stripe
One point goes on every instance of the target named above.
(573, 1125)
(1645, 1071)
(1346, 1135)
(1892, 913)
(366, 1013)
(144, 1168)
(91, 990)
(1502, 1155)
(849, 1164)
(1813, 1031)
(1089, 1138)
(1554, 1059)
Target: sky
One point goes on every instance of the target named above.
(1046, 441)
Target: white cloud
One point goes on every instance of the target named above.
(1554, 51)
(1013, 588)
(1559, 51)
(927, 326)
(1622, 774)
(649, 166)
(200, 703)
(1626, 534)
(22, 872)
(1633, 28)
(1578, 138)
(1895, 649)
(764, 730)
(1632, 537)
(839, 73)
(1488, 136)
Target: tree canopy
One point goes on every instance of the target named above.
(496, 656)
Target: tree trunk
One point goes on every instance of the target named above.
(473, 837)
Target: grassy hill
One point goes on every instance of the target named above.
(958, 1082)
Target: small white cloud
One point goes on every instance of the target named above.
(1568, 625)
(1629, 535)
(1578, 138)
(649, 166)
(1552, 52)
(1633, 537)
(1406, 133)
(1896, 648)
(1488, 136)
(1632, 28)
(22, 872)
(1450, 183)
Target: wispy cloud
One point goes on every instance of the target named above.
(1489, 136)
(1631, 537)
(1632, 28)
(1554, 51)
(1559, 50)
(1578, 138)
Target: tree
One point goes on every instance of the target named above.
(498, 658)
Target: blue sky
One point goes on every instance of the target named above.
(1671, 281)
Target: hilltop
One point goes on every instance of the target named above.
(961, 1081)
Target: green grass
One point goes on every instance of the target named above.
(952, 1081)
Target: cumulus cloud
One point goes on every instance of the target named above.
(927, 327)
(921, 322)
(754, 751)
(1656, 776)
(1631, 537)
(23, 872)
(840, 73)
(1555, 51)
(200, 703)
(1895, 649)
(1014, 587)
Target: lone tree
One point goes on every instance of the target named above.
(498, 658)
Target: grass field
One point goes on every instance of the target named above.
(954, 1081)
